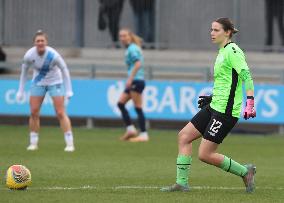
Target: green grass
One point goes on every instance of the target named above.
(104, 163)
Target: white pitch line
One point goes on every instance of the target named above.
(85, 187)
(121, 187)
(137, 187)
(197, 187)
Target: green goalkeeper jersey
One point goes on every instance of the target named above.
(227, 90)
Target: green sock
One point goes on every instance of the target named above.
(183, 169)
(231, 166)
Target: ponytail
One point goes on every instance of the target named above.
(135, 39)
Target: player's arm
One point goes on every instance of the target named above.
(135, 57)
(248, 81)
(137, 65)
(23, 79)
(249, 111)
(66, 76)
(239, 63)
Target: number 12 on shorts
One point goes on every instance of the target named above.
(216, 125)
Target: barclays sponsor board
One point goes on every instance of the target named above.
(162, 100)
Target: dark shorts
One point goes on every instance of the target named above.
(136, 86)
(213, 125)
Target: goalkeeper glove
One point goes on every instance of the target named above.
(203, 101)
(249, 111)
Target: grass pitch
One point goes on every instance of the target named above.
(104, 169)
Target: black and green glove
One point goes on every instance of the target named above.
(204, 100)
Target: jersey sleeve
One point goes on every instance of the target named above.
(237, 59)
(24, 73)
(134, 54)
(238, 62)
(66, 75)
(246, 77)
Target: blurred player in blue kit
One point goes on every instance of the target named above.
(135, 85)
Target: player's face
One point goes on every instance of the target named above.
(40, 43)
(124, 37)
(218, 34)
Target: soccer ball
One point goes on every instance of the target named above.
(18, 177)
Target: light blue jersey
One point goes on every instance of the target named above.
(133, 54)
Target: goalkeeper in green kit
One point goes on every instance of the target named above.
(219, 112)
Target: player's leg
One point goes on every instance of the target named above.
(57, 93)
(185, 138)
(215, 132)
(192, 131)
(130, 129)
(34, 121)
(59, 107)
(65, 124)
(135, 93)
(138, 100)
(208, 154)
(36, 99)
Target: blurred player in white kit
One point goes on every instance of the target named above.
(50, 74)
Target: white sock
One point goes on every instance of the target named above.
(143, 134)
(68, 136)
(33, 138)
(131, 128)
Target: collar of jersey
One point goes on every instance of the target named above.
(228, 44)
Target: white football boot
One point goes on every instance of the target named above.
(69, 148)
(32, 147)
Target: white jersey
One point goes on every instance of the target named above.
(48, 69)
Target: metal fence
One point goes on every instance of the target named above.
(179, 24)
(152, 72)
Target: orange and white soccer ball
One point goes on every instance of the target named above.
(18, 177)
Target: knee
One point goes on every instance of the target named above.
(34, 113)
(120, 105)
(183, 137)
(181, 134)
(138, 110)
(60, 114)
(203, 156)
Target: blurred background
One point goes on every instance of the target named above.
(179, 56)
(183, 24)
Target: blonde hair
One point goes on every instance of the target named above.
(40, 33)
(134, 38)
